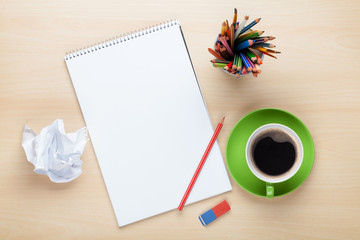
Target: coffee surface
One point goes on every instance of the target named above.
(274, 158)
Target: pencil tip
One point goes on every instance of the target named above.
(247, 17)
(235, 11)
(222, 120)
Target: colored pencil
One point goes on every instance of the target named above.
(251, 55)
(219, 65)
(217, 48)
(258, 58)
(218, 56)
(238, 63)
(251, 64)
(246, 34)
(258, 68)
(228, 66)
(243, 45)
(252, 34)
(241, 26)
(243, 71)
(269, 45)
(235, 61)
(261, 40)
(227, 28)
(262, 49)
(201, 164)
(240, 38)
(223, 28)
(219, 61)
(270, 55)
(271, 51)
(226, 45)
(245, 61)
(235, 17)
(253, 23)
(225, 53)
(269, 37)
(232, 36)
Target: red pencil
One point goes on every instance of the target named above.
(201, 164)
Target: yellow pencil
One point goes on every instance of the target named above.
(223, 28)
(245, 35)
(235, 17)
(262, 49)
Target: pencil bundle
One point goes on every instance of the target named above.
(239, 48)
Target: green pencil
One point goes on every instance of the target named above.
(219, 65)
(251, 56)
(238, 63)
(235, 61)
(253, 35)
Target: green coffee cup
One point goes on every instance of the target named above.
(241, 165)
(280, 134)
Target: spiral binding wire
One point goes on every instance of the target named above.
(119, 39)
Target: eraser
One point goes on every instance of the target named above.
(221, 208)
(214, 213)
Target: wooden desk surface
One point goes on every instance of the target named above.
(317, 78)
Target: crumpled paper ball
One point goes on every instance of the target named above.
(55, 153)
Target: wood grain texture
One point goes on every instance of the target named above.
(317, 78)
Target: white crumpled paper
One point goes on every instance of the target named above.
(55, 153)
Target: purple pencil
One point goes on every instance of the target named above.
(223, 41)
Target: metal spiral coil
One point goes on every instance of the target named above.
(119, 39)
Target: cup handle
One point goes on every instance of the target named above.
(269, 190)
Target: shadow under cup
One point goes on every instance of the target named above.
(274, 153)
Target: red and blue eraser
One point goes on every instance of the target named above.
(214, 213)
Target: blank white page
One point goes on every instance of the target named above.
(147, 121)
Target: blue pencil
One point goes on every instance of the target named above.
(245, 61)
(251, 64)
(243, 45)
(253, 23)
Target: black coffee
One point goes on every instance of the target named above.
(274, 158)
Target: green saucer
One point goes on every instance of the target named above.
(235, 151)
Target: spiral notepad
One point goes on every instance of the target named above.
(147, 121)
